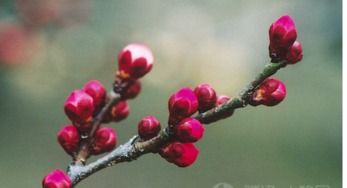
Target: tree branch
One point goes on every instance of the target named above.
(133, 149)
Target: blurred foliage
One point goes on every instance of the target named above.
(63, 44)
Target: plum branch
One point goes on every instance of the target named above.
(91, 107)
(133, 149)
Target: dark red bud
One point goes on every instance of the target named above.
(282, 35)
(181, 154)
(148, 127)
(282, 32)
(189, 130)
(118, 112)
(132, 90)
(182, 104)
(79, 107)
(206, 96)
(294, 53)
(97, 91)
(269, 93)
(105, 140)
(68, 138)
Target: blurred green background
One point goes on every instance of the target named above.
(51, 47)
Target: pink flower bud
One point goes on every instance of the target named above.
(79, 107)
(104, 141)
(132, 90)
(282, 36)
(56, 179)
(181, 154)
(135, 60)
(269, 93)
(68, 138)
(182, 104)
(206, 96)
(189, 130)
(120, 111)
(294, 53)
(148, 127)
(97, 91)
(282, 32)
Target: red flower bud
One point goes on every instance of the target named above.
(117, 113)
(56, 179)
(148, 127)
(189, 130)
(120, 111)
(282, 32)
(182, 104)
(206, 96)
(132, 90)
(68, 138)
(97, 91)
(135, 60)
(181, 154)
(104, 140)
(270, 93)
(294, 53)
(282, 36)
(79, 106)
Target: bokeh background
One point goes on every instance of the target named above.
(50, 47)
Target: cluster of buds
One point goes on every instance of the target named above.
(135, 61)
(284, 48)
(283, 44)
(90, 106)
(184, 129)
(82, 107)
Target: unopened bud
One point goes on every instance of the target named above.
(206, 96)
(79, 106)
(182, 104)
(181, 154)
(189, 130)
(97, 91)
(68, 138)
(148, 127)
(135, 60)
(105, 140)
(56, 179)
(294, 53)
(269, 93)
(132, 90)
